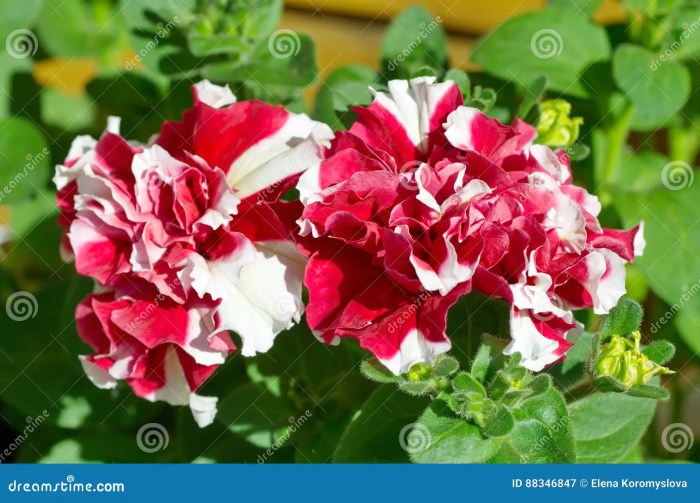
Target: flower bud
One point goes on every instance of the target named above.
(555, 127)
(419, 372)
(623, 360)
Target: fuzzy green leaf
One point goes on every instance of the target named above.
(498, 422)
(464, 382)
(375, 371)
(380, 432)
(649, 391)
(416, 388)
(608, 425)
(480, 365)
(623, 319)
(540, 384)
(541, 433)
(445, 366)
(660, 351)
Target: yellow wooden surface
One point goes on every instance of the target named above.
(464, 16)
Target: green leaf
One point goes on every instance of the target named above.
(607, 383)
(578, 152)
(70, 29)
(372, 369)
(257, 414)
(623, 319)
(28, 214)
(380, 431)
(138, 12)
(480, 365)
(445, 438)
(445, 366)
(540, 384)
(413, 40)
(24, 165)
(657, 92)
(17, 16)
(660, 351)
(649, 391)
(70, 113)
(640, 173)
(532, 94)
(557, 43)
(579, 353)
(344, 88)
(541, 434)
(498, 422)
(416, 388)
(608, 425)
(669, 262)
(459, 77)
(681, 42)
(543, 430)
(203, 46)
(294, 66)
(465, 383)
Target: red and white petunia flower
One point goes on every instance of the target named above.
(164, 350)
(423, 200)
(194, 218)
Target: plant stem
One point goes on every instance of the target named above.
(616, 136)
(617, 139)
(683, 144)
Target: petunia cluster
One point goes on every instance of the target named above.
(423, 200)
(186, 239)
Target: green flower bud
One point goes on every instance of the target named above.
(556, 128)
(419, 372)
(623, 360)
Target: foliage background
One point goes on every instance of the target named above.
(136, 59)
